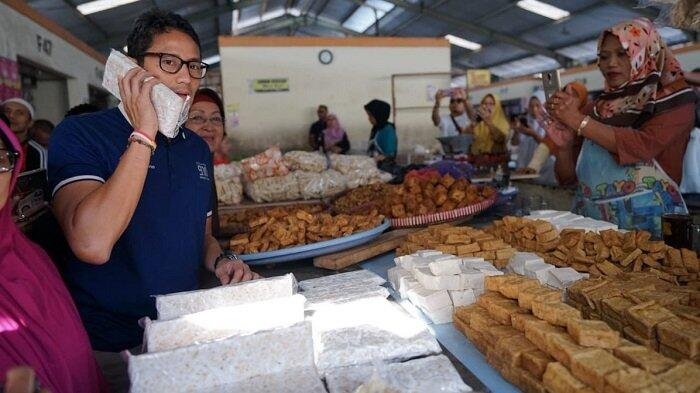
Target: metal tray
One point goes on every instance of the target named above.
(315, 249)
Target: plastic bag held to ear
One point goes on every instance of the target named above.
(170, 108)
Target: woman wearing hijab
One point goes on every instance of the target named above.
(626, 148)
(335, 139)
(491, 130)
(383, 143)
(532, 134)
(39, 324)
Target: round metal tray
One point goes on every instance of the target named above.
(315, 249)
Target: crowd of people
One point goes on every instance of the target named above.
(136, 207)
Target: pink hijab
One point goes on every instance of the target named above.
(39, 324)
(333, 135)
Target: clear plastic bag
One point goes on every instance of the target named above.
(229, 188)
(263, 165)
(305, 161)
(346, 164)
(273, 189)
(320, 185)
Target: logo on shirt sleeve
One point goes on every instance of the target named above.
(203, 172)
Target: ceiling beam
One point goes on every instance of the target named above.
(481, 30)
(465, 58)
(85, 18)
(634, 7)
(415, 18)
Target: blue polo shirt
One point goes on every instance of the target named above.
(162, 247)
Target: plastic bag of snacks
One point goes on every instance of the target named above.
(346, 164)
(320, 185)
(359, 178)
(229, 188)
(273, 189)
(266, 164)
(305, 161)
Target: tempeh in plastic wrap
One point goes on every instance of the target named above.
(170, 108)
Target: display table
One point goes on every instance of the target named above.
(448, 336)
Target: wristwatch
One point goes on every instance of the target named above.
(225, 256)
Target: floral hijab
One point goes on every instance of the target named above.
(655, 85)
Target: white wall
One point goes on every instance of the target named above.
(18, 37)
(590, 76)
(356, 75)
(51, 97)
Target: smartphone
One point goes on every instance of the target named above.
(551, 82)
(450, 92)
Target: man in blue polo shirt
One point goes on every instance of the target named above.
(135, 206)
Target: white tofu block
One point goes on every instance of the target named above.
(517, 262)
(445, 267)
(182, 303)
(406, 261)
(479, 291)
(395, 274)
(471, 279)
(224, 322)
(223, 362)
(548, 215)
(429, 300)
(474, 262)
(479, 265)
(562, 277)
(430, 281)
(357, 277)
(538, 270)
(427, 253)
(491, 272)
(406, 284)
(424, 375)
(366, 331)
(440, 316)
(462, 298)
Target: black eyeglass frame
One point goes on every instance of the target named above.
(160, 55)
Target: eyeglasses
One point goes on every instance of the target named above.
(8, 159)
(199, 120)
(172, 64)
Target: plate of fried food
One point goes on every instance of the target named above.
(425, 197)
(524, 174)
(285, 234)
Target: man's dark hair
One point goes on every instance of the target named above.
(323, 107)
(82, 109)
(151, 23)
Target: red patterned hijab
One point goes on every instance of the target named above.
(656, 83)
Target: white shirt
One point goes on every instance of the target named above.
(447, 126)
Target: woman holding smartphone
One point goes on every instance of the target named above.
(491, 128)
(626, 148)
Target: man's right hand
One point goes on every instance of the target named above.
(135, 89)
(439, 96)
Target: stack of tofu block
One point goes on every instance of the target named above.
(436, 282)
(567, 220)
(532, 265)
(204, 341)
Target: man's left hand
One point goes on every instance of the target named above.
(234, 271)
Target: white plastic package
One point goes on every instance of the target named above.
(220, 363)
(178, 304)
(424, 375)
(170, 108)
(224, 322)
(229, 188)
(368, 330)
